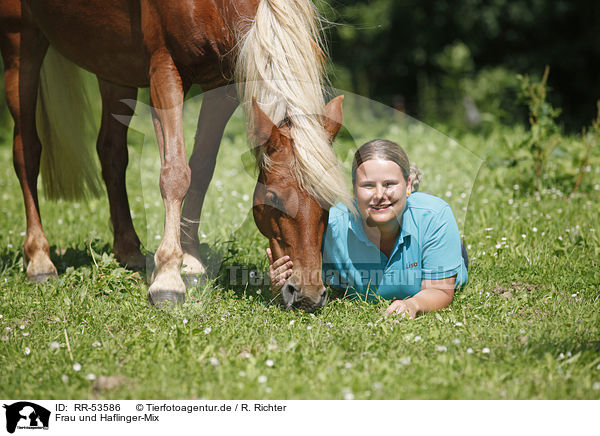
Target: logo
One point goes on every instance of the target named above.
(412, 265)
(26, 415)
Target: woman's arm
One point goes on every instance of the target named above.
(434, 294)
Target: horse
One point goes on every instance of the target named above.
(272, 51)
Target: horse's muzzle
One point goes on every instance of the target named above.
(309, 300)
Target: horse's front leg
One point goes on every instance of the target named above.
(166, 93)
(217, 107)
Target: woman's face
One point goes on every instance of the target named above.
(381, 192)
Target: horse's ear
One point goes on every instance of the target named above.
(263, 126)
(334, 117)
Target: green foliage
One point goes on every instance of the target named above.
(544, 158)
(465, 98)
(393, 48)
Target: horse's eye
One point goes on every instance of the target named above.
(273, 200)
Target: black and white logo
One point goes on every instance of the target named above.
(26, 415)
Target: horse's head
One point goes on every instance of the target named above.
(293, 220)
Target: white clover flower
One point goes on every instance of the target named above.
(405, 361)
(456, 341)
(54, 345)
(207, 330)
(96, 344)
(269, 363)
(27, 351)
(242, 373)
(417, 338)
(77, 366)
(458, 324)
(292, 322)
(213, 361)
(469, 351)
(534, 229)
(523, 236)
(348, 395)
(441, 348)
(185, 321)
(485, 350)
(262, 379)
(308, 327)
(64, 378)
(347, 365)
(91, 376)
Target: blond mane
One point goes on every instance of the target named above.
(281, 63)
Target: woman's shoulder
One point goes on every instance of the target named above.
(339, 215)
(426, 210)
(420, 201)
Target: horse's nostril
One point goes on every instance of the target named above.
(323, 301)
(290, 294)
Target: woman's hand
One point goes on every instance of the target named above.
(435, 294)
(279, 271)
(404, 308)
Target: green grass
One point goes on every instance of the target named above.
(526, 326)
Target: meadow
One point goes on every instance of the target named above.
(526, 326)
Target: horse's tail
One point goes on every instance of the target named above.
(280, 62)
(66, 129)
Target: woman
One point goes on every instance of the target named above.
(401, 246)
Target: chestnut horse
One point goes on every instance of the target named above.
(270, 48)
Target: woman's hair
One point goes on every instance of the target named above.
(386, 150)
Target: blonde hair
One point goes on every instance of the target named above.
(280, 63)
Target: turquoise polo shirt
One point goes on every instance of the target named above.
(428, 247)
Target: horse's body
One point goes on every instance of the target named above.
(169, 46)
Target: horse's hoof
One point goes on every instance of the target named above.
(41, 278)
(194, 280)
(166, 298)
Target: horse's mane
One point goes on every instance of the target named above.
(281, 63)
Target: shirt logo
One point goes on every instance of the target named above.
(412, 265)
